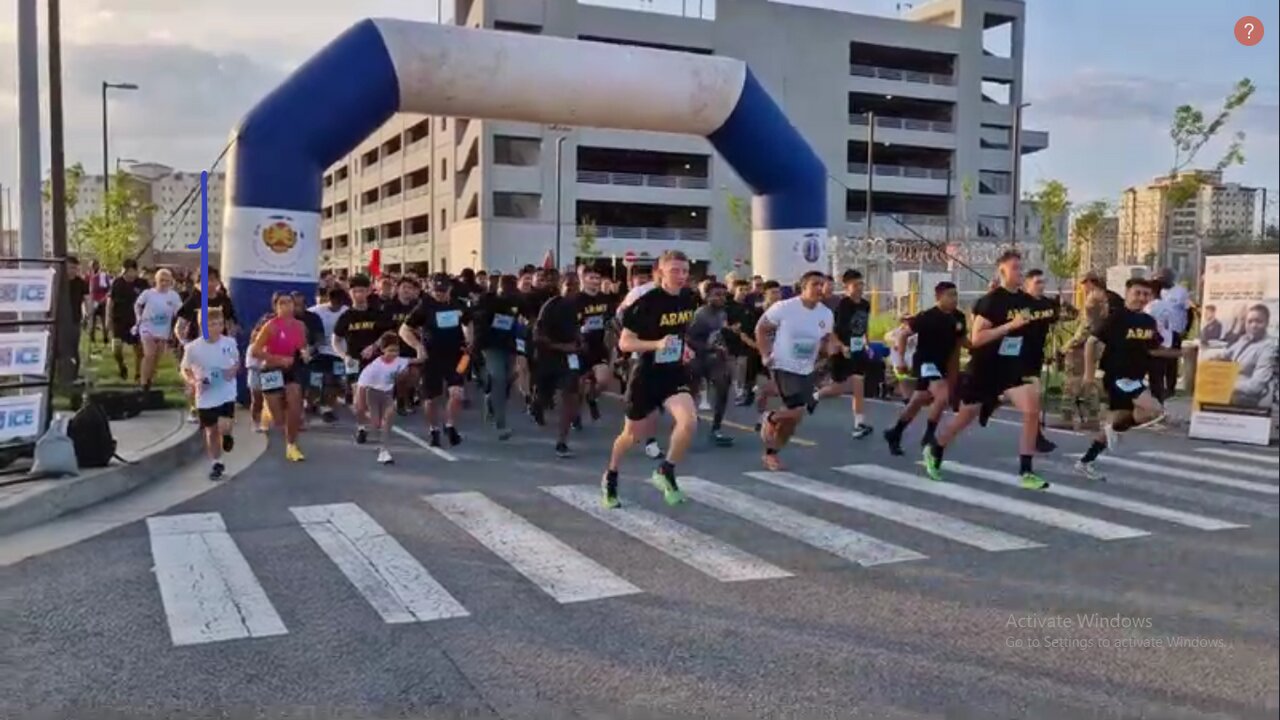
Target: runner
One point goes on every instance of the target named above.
(642, 282)
(356, 334)
(560, 347)
(497, 335)
(155, 310)
(99, 289)
(329, 365)
(997, 366)
(849, 366)
(767, 389)
(210, 367)
(281, 345)
(939, 333)
(594, 311)
(545, 287)
(1130, 340)
(310, 377)
(654, 326)
(375, 391)
(397, 308)
(524, 382)
(741, 321)
(711, 368)
(1045, 313)
(790, 336)
(445, 327)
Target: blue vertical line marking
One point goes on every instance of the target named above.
(203, 245)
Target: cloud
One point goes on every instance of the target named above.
(1100, 96)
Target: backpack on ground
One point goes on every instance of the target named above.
(90, 433)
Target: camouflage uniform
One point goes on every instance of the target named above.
(1080, 407)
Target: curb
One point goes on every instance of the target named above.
(72, 494)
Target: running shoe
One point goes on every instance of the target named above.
(563, 452)
(1032, 481)
(609, 492)
(704, 405)
(895, 442)
(504, 433)
(1090, 470)
(433, 438)
(652, 450)
(670, 491)
(861, 431)
(228, 443)
(216, 472)
(384, 457)
(362, 436)
(594, 407)
(771, 461)
(328, 416)
(1044, 445)
(293, 453)
(577, 423)
(719, 439)
(455, 439)
(932, 465)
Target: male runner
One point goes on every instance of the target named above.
(642, 282)
(654, 327)
(711, 369)
(558, 335)
(997, 366)
(1130, 340)
(445, 327)
(397, 306)
(356, 335)
(497, 331)
(121, 299)
(328, 363)
(1044, 314)
(849, 366)
(790, 336)
(939, 333)
(594, 311)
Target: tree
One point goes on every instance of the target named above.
(1051, 202)
(587, 234)
(74, 176)
(1085, 228)
(740, 217)
(113, 233)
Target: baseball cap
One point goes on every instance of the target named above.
(441, 283)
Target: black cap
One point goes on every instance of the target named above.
(441, 282)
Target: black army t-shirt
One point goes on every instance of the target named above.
(1129, 337)
(656, 315)
(496, 319)
(362, 328)
(441, 326)
(558, 324)
(1006, 355)
(938, 332)
(1044, 313)
(852, 319)
(594, 312)
(397, 313)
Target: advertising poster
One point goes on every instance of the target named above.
(26, 291)
(20, 417)
(23, 353)
(1235, 390)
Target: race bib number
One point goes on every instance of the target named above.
(352, 366)
(858, 344)
(519, 345)
(573, 361)
(272, 380)
(1011, 347)
(595, 323)
(317, 380)
(670, 353)
(804, 349)
(1129, 385)
(448, 319)
(159, 321)
(339, 367)
(929, 371)
(503, 322)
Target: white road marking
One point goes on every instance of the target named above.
(1192, 475)
(1242, 455)
(1211, 463)
(926, 520)
(382, 571)
(1194, 494)
(698, 550)
(848, 544)
(562, 572)
(1043, 514)
(1018, 423)
(1200, 522)
(438, 452)
(207, 587)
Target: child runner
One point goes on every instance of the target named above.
(210, 367)
(375, 392)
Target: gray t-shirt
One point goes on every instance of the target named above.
(705, 328)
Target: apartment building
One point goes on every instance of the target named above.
(1099, 251)
(1150, 234)
(174, 221)
(914, 116)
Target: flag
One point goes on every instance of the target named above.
(549, 261)
(375, 263)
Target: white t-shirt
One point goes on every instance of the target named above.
(635, 294)
(158, 310)
(891, 339)
(800, 334)
(214, 366)
(381, 375)
(329, 317)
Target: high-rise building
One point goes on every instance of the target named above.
(174, 221)
(942, 84)
(1098, 251)
(1151, 233)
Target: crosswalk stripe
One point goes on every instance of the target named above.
(208, 590)
(931, 522)
(1192, 475)
(562, 572)
(1136, 507)
(1241, 455)
(848, 544)
(1189, 493)
(1223, 465)
(1063, 519)
(698, 550)
(438, 452)
(382, 571)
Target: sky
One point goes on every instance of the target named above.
(1102, 76)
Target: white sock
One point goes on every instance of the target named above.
(858, 419)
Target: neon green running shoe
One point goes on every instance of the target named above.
(609, 492)
(670, 491)
(932, 465)
(1032, 481)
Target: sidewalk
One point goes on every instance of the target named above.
(155, 442)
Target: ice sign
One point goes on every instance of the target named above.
(20, 416)
(26, 291)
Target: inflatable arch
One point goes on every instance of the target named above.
(271, 224)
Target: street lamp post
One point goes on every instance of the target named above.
(106, 169)
(1017, 169)
(559, 185)
(871, 165)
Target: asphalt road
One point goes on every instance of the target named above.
(463, 588)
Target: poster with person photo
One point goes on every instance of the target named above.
(1236, 376)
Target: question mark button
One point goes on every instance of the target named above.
(1249, 30)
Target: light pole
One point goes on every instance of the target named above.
(559, 184)
(106, 169)
(871, 162)
(1017, 169)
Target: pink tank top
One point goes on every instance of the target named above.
(285, 336)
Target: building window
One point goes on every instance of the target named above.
(517, 205)
(444, 170)
(991, 182)
(518, 151)
(444, 219)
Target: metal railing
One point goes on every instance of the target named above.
(912, 76)
(908, 171)
(898, 123)
(883, 225)
(621, 232)
(682, 182)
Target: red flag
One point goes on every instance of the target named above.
(375, 263)
(549, 261)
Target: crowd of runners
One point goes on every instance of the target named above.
(551, 344)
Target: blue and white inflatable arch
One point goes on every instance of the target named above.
(378, 67)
